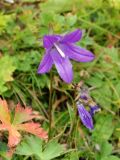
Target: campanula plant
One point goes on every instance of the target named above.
(59, 50)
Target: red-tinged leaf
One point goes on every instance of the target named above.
(14, 137)
(3, 127)
(33, 128)
(4, 112)
(23, 114)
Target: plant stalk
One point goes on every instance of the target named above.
(50, 105)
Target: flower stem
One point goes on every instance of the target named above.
(50, 105)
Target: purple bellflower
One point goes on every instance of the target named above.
(59, 49)
(85, 116)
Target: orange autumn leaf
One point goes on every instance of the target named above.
(22, 121)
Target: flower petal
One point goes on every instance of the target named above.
(77, 53)
(72, 37)
(49, 40)
(46, 64)
(94, 109)
(85, 116)
(63, 65)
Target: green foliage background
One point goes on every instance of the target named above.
(22, 26)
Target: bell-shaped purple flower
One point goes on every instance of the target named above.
(59, 49)
(85, 116)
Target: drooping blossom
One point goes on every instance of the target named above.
(85, 116)
(59, 50)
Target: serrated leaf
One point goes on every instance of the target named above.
(33, 146)
(23, 115)
(52, 150)
(30, 146)
(20, 121)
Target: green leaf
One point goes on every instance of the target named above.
(103, 128)
(25, 60)
(105, 150)
(4, 19)
(46, 18)
(33, 146)
(6, 70)
(58, 5)
(52, 150)
(25, 39)
(111, 158)
(74, 156)
(103, 96)
(71, 20)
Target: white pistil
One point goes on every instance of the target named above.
(59, 50)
